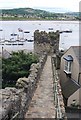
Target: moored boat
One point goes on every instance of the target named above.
(30, 40)
(66, 31)
(1, 29)
(26, 31)
(50, 28)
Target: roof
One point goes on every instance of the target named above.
(72, 86)
(68, 58)
(77, 51)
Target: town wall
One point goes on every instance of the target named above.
(44, 41)
(15, 101)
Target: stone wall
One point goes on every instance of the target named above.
(58, 97)
(15, 101)
(44, 41)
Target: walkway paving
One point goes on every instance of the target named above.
(42, 104)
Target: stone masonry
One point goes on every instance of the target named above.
(33, 96)
(14, 102)
(42, 104)
(46, 42)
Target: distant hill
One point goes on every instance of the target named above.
(73, 14)
(30, 13)
(27, 11)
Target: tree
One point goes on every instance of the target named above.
(16, 66)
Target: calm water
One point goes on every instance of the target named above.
(66, 39)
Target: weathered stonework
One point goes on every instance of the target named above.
(58, 98)
(15, 101)
(44, 41)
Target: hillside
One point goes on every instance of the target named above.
(75, 14)
(29, 13)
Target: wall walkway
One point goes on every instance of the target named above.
(42, 104)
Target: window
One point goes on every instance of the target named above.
(68, 63)
(67, 66)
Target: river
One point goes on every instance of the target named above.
(66, 39)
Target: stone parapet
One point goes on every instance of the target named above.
(15, 101)
(58, 97)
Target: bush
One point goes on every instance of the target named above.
(16, 66)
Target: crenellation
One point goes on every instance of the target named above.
(44, 41)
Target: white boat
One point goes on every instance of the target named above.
(2, 40)
(16, 39)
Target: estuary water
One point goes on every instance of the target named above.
(66, 39)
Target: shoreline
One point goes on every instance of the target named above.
(39, 20)
(35, 20)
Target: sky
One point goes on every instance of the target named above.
(71, 5)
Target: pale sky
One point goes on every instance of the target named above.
(72, 5)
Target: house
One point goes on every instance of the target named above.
(70, 76)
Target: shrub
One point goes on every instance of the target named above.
(16, 66)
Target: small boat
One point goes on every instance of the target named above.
(8, 44)
(20, 44)
(2, 44)
(60, 31)
(26, 32)
(30, 40)
(13, 37)
(50, 28)
(13, 34)
(68, 31)
(16, 43)
(7, 40)
(1, 30)
(22, 40)
(2, 40)
(12, 40)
